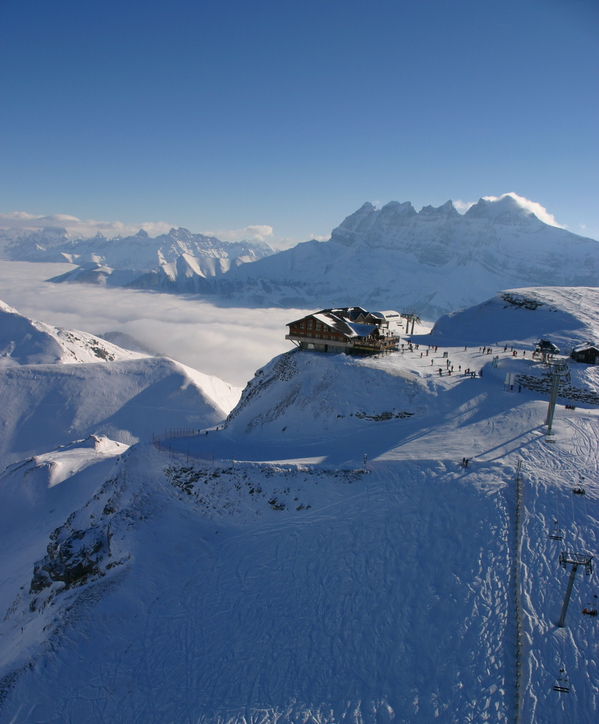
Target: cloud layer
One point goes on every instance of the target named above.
(257, 232)
(77, 227)
(231, 343)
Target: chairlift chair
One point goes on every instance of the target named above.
(591, 608)
(557, 533)
(578, 491)
(562, 683)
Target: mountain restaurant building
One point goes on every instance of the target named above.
(347, 329)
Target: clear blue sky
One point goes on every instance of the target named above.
(219, 114)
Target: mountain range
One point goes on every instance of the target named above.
(432, 261)
(132, 260)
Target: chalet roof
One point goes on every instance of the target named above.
(348, 329)
(362, 330)
(585, 347)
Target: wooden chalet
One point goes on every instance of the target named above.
(587, 353)
(347, 329)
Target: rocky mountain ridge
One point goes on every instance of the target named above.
(433, 261)
(131, 258)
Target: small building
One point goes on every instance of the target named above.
(546, 349)
(346, 329)
(587, 353)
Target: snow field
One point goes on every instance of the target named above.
(286, 581)
(47, 405)
(370, 605)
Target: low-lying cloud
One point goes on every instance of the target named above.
(231, 343)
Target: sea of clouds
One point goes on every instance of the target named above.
(229, 342)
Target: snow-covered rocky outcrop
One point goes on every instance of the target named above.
(301, 394)
(433, 261)
(25, 341)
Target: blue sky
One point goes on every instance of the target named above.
(222, 115)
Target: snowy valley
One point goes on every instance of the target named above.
(310, 549)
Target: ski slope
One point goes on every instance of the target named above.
(265, 572)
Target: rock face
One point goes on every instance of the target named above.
(433, 261)
(73, 556)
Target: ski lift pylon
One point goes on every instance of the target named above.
(562, 684)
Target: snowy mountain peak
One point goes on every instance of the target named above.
(434, 261)
(368, 217)
(508, 208)
(446, 209)
(56, 231)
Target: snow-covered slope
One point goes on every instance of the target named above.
(98, 389)
(567, 316)
(47, 405)
(434, 261)
(267, 572)
(24, 341)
